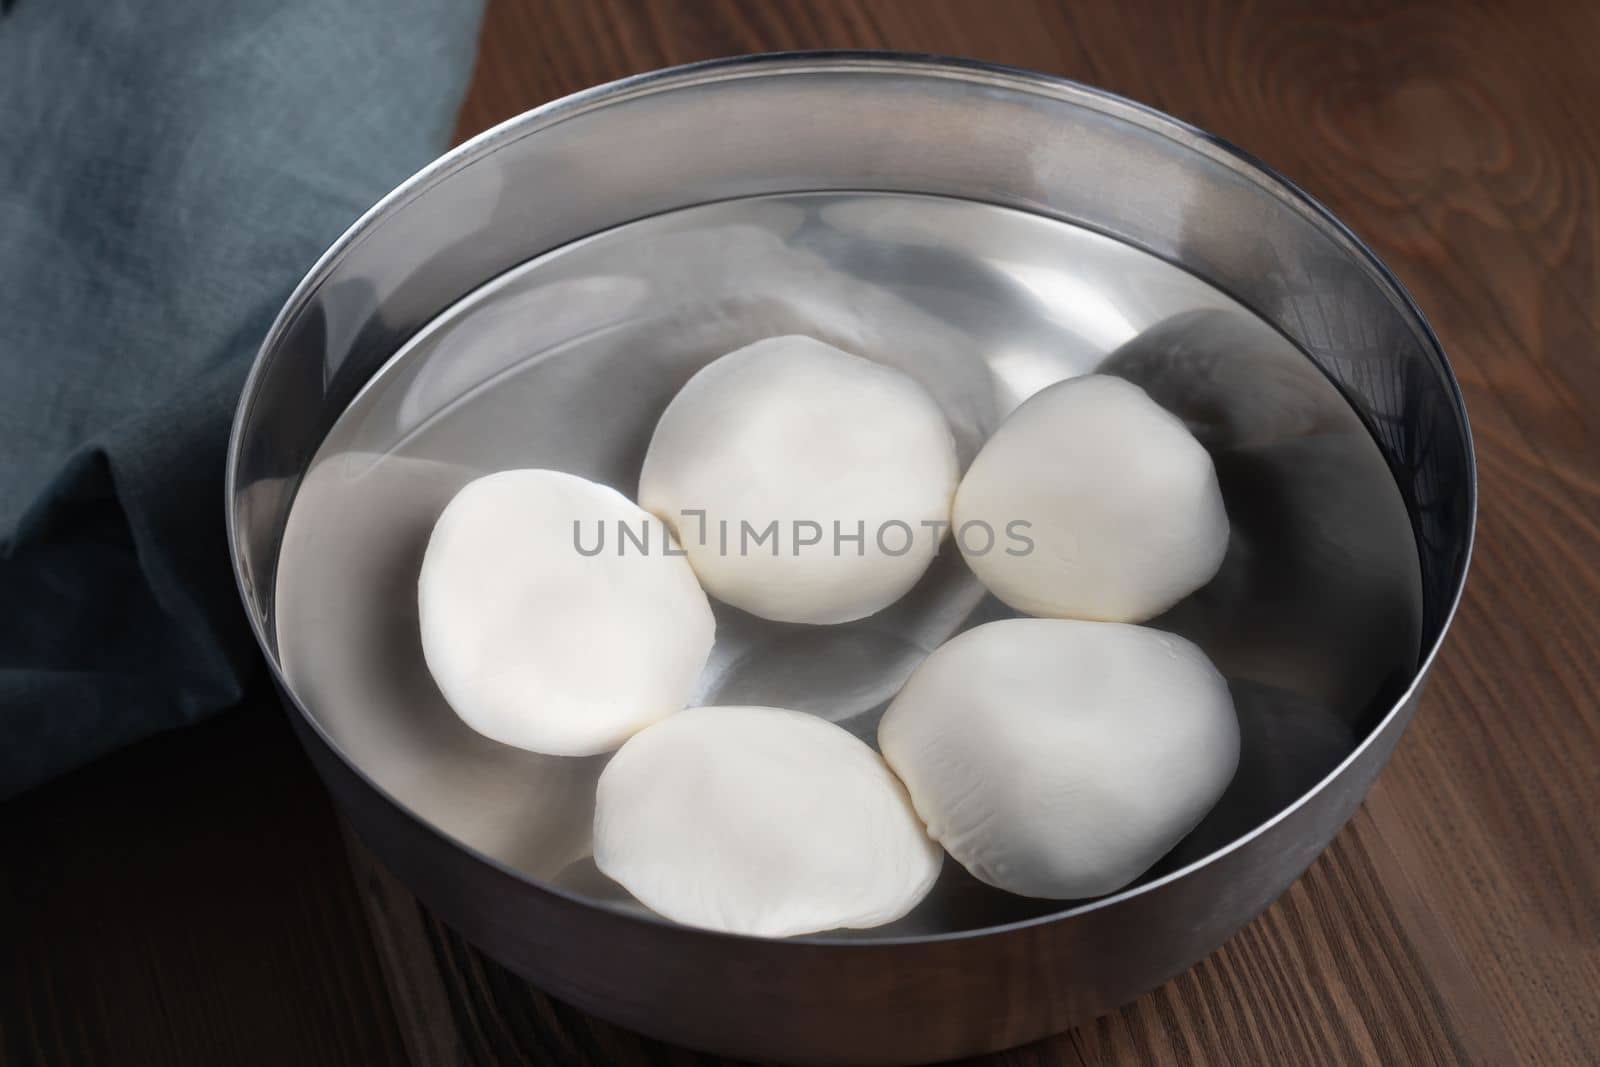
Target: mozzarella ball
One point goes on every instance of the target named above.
(346, 612)
(538, 644)
(1058, 758)
(1092, 502)
(760, 821)
(807, 484)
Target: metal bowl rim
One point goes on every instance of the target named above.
(802, 62)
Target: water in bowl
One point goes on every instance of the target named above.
(567, 361)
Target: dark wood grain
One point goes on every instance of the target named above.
(191, 902)
(187, 902)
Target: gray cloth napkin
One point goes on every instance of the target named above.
(168, 170)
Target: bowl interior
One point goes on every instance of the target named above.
(1055, 230)
(567, 362)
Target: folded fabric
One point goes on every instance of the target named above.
(168, 170)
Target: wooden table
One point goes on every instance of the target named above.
(192, 900)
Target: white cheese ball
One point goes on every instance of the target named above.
(794, 432)
(1061, 759)
(537, 645)
(1092, 502)
(760, 821)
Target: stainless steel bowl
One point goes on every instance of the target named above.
(973, 977)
